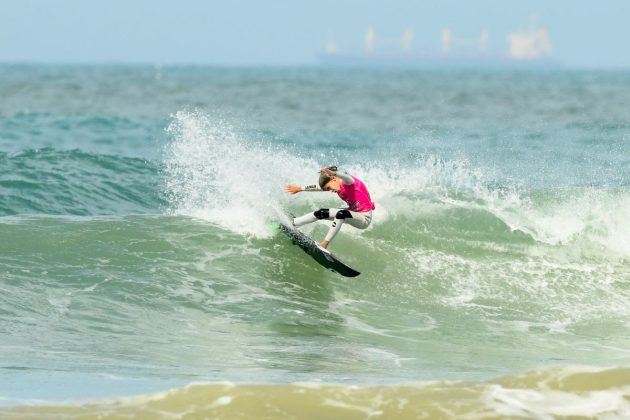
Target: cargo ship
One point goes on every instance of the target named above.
(530, 48)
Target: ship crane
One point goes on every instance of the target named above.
(404, 43)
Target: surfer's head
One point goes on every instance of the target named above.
(329, 182)
(333, 185)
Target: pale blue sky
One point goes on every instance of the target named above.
(584, 33)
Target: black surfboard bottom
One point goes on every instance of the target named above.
(325, 259)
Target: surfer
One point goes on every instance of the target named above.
(350, 189)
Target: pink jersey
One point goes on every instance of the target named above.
(356, 196)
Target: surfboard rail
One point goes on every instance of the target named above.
(324, 257)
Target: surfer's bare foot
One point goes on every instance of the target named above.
(324, 244)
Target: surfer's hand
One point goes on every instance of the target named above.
(292, 189)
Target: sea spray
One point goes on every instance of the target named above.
(215, 173)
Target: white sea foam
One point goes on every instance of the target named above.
(580, 215)
(547, 404)
(535, 293)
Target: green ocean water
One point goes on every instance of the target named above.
(136, 254)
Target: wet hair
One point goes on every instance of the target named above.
(325, 178)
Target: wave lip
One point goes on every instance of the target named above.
(555, 392)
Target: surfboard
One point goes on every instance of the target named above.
(319, 254)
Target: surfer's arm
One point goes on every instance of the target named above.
(294, 189)
(344, 177)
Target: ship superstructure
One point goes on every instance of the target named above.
(527, 48)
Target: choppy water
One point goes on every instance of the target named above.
(136, 254)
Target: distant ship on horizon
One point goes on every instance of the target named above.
(526, 49)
